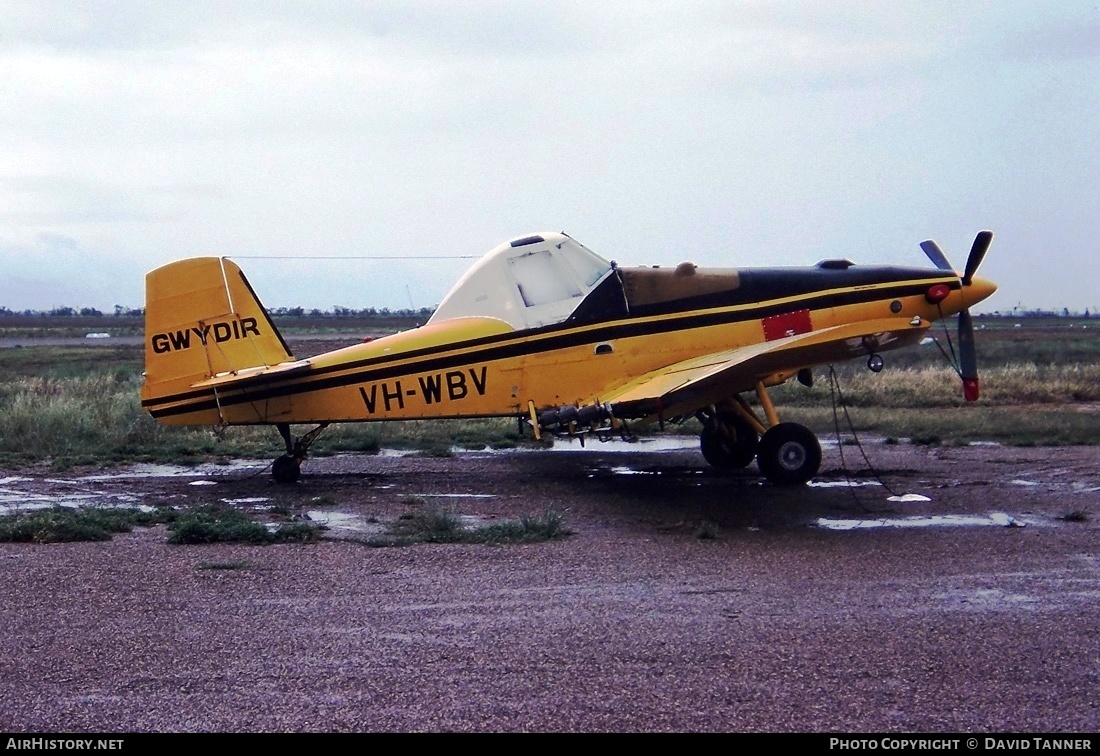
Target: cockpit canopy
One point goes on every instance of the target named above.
(527, 282)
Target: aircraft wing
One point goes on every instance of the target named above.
(685, 386)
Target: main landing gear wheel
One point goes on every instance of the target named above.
(728, 443)
(286, 469)
(789, 454)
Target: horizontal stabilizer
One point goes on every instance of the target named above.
(249, 376)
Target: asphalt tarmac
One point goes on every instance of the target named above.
(684, 600)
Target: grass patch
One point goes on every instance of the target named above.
(428, 526)
(203, 524)
(548, 526)
(212, 523)
(439, 437)
(1036, 425)
(96, 418)
(79, 405)
(66, 525)
(445, 526)
(58, 362)
(1021, 383)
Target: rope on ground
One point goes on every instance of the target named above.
(952, 359)
(837, 397)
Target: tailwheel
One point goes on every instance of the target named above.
(728, 441)
(288, 468)
(789, 454)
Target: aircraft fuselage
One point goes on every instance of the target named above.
(634, 322)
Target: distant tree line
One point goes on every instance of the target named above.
(349, 312)
(1019, 312)
(339, 311)
(121, 311)
(283, 312)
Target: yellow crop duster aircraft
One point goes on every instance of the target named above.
(543, 329)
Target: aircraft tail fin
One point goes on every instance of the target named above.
(203, 319)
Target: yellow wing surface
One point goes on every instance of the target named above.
(685, 386)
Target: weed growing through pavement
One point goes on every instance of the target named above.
(436, 525)
(203, 524)
(65, 524)
(213, 523)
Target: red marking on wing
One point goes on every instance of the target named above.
(788, 324)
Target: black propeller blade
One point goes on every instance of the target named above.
(968, 356)
(977, 254)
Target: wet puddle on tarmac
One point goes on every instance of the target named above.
(624, 470)
(345, 522)
(13, 500)
(145, 470)
(999, 519)
(22, 493)
(842, 483)
(567, 445)
(455, 496)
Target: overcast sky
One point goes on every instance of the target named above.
(727, 133)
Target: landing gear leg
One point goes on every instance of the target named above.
(287, 468)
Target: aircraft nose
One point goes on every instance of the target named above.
(979, 289)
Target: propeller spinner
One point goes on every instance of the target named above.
(968, 353)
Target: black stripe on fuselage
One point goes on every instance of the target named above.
(554, 337)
